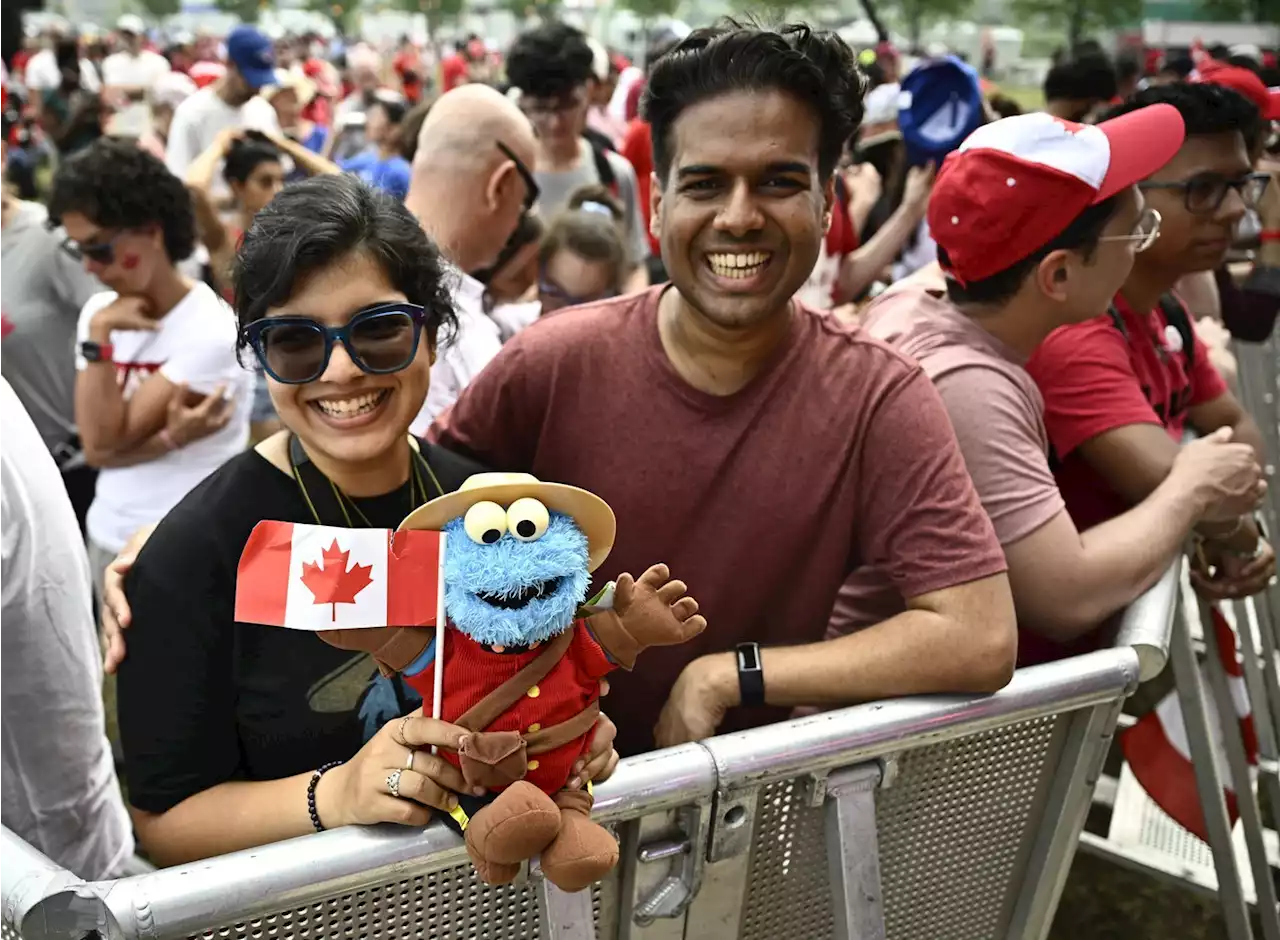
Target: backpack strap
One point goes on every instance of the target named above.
(604, 169)
(1176, 316)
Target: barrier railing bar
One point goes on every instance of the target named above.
(43, 899)
(1083, 754)
(853, 853)
(1148, 623)
(1208, 782)
(1246, 800)
(851, 735)
(565, 916)
(1260, 699)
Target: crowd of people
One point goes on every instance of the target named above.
(903, 417)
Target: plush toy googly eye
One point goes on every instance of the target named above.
(527, 519)
(485, 523)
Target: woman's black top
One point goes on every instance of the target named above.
(204, 699)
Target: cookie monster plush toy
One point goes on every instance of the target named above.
(523, 660)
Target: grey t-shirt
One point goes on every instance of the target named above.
(41, 292)
(58, 786)
(557, 187)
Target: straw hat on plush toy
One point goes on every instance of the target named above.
(591, 513)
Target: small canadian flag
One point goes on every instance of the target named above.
(315, 577)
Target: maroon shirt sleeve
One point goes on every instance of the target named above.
(919, 518)
(1088, 384)
(495, 420)
(1206, 382)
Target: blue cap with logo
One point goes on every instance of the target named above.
(940, 104)
(253, 55)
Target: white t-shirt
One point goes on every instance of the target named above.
(462, 355)
(126, 70)
(43, 75)
(58, 787)
(199, 120)
(194, 343)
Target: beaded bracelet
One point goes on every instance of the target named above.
(311, 792)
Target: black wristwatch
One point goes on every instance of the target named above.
(96, 352)
(750, 674)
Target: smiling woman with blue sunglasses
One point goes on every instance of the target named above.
(233, 733)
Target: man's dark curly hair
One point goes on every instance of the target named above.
(816, 68)
(550, 61)
(317, 223)
(115, 184)
(1205, 108)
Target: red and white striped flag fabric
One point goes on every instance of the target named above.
(315, 577)
(1158, 753)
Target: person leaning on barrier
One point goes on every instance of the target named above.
(758, 447)
(1119, 390)
(1071, 193)
(236, 735)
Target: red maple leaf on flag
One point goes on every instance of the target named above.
(331, 582)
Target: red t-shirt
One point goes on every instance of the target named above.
(408, 65)
(1096, 378)
(838, 454)
(637, 147)
(453, 72)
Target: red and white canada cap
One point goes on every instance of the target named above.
(1015, 185)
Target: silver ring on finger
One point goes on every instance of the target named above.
(393, 783)
(408, 761)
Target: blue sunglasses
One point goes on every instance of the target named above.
(294, 350)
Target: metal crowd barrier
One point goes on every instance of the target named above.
(928, 817)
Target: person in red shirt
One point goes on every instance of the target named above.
(1121, 389)
(408, 65)
(760, 449)
(455, 70)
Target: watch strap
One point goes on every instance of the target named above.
(750, 674)
(96, 352)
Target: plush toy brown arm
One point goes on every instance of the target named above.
(392, 648)
(653, 611)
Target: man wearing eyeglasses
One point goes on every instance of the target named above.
(471, 184)
(1120, 389)
(1038, 223)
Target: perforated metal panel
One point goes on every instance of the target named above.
(7, 932)
(446, 905)
(952, 828)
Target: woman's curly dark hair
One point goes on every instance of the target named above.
(816, 68)
(115, 184)
(317, 223)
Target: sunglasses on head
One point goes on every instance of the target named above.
(99, 252)
(294, 350)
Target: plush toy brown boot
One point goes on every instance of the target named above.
(516, 826)
(583, 852)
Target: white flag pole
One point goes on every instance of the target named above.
(438, 683)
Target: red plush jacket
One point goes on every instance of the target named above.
(472, 672)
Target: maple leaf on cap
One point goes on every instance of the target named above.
(331, 582)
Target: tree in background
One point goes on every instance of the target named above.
(161, 9)
(340, 12)
(916, 12)
(545, 10)
(649, 10)
(437, 13)
(1259, 11)
(246, 10)
(1083, 16)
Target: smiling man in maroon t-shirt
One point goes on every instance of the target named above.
(762, 450)
(1119, 390)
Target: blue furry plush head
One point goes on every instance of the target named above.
(512, 592)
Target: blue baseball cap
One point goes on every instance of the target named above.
(253, 55)
(940, 104)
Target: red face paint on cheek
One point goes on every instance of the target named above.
(129, 262)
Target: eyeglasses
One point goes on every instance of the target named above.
(1205, 193)
(98, 252)
(1145, 233)
(550, 107)
(294, 350)
(531, 189)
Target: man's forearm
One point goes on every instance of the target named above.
(862, 267)
(915, 653)
(153, 448)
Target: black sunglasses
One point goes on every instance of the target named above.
(98, 252)
(1204, 194)
(531, 189)
(294, 350)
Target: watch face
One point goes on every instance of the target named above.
(748, 658)
(91, 351)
